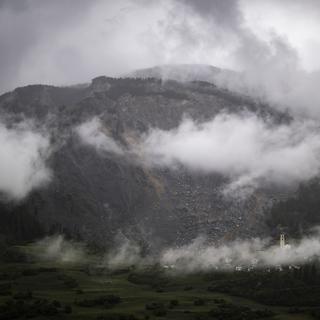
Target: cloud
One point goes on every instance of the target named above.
(58, 249)
(273, 63)
(245, 148)
(124, 254)
(272, 42)
(199, 256)
(30, 31)
(23, 156)
(250, 151)
(271, 73)
(92, 133)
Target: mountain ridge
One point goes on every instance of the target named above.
(95, 195)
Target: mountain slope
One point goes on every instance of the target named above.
(95, 195)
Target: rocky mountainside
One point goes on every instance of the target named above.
(95, 195)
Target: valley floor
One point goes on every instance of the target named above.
(51, 290)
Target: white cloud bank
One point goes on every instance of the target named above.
(58, 249)
(23, 155)
(92, 133)
(248, 150)
(201, 256)
(251, 253)
(244, 148)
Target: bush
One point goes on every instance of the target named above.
(173, 303)
(5, 289)
(30, 272)
(25, 309)
(107, 301)
(14, 255)
(160, 312)
(68, 309)
(233, 312)
(154, 306)
(56, 303)
(157, 308)
(187, 288)
(219, 301)
(23, 295)
(116, 317)
(71, 283)
(199, 302)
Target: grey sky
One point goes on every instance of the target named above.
(72, 41)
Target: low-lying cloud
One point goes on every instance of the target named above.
(23, 156)
(283, 85)
(236, 255)
(245, 148)
(124, 254)
(199, 256)
(58, 249)
(248, 150)
(93, 133)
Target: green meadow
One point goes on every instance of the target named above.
(32, 288)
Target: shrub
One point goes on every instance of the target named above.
(107, 301)
(68, 309)
(173, 303)
(199, 302)
(23, 295)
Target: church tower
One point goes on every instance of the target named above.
(282, 240)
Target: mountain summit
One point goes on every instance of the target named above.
(98, 187)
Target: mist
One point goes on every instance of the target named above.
(196, 256)
(256, 253)
(250, 151)
(57, 249)
(272, 45)
(94, 134)
(23, 155)
(199, 255)
(125, 253)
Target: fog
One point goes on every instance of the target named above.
(23, 154)
(93, 133)
(57, 249)
(199, 256)
(249, 150)
(124, 253)
(272, 44)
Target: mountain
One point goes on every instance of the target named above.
(182, 72)
(95, 196)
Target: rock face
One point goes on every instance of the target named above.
(95, 196)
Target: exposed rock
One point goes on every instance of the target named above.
(95, 195)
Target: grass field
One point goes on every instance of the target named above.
(51, 290)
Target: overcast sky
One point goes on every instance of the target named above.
(72, 41)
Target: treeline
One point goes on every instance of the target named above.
(290, 286)
(19, 222)
(298, 213)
